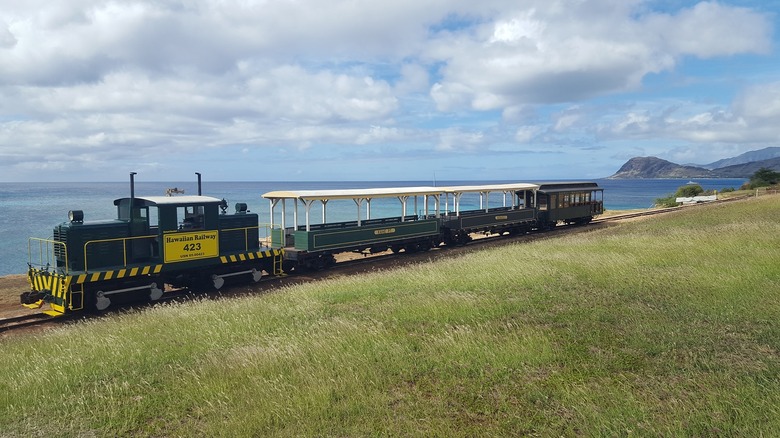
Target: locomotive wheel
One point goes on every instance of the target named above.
(155, 293)
(256, 275)
(217, 281)
(102, 302)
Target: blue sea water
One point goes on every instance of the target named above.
(33, 209)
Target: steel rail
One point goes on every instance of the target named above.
(17, 322)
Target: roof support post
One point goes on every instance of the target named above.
(324, 205)
(403, 206)
(308, 205)
(295, 214)
(359, 204)
(284, 214)
(273, 205)
(368, 209)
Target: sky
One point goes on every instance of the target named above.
(380, 90)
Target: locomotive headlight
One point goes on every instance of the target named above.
(76, 216)
(241, 207)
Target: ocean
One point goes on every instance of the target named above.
(33, 209)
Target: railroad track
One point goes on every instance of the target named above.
(619, 217)
(18, 322)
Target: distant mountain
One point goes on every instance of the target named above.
(747, 157)
(652, 167)
(747, 170)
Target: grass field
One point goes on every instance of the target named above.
(668, 326)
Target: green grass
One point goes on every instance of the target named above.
(669, 326)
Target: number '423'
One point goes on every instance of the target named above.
(192, 247)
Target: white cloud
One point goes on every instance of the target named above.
(526, 134)
(711, 29)
(414, 79)
(458, 140)
(549, 54)
(760, 102)
(98, 81)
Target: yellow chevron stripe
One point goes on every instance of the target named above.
(145, 270)
(82, 279)
(95, 276)
(134, 272)
(109, 275)
(157, 269)
(121, 273)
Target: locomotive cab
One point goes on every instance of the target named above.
(170, 229)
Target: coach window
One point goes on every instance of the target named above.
(553, 201)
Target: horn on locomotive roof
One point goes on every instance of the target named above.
(199, 191)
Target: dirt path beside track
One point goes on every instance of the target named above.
(11, 286)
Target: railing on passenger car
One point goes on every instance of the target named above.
(50, 254)
(363, 223)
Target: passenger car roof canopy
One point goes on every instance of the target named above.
(389, 192)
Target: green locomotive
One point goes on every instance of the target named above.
(154, 242)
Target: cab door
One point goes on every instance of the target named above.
(141, 246)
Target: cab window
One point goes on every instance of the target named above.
(190, 217)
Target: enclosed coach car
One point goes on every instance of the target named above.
(154, 241)
(568, 203)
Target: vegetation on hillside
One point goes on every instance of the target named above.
(762, 178)
(663, 327)
(686, 191)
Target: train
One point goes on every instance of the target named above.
(160, 243)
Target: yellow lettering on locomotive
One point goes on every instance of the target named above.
(384, 231)
(182, 247)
